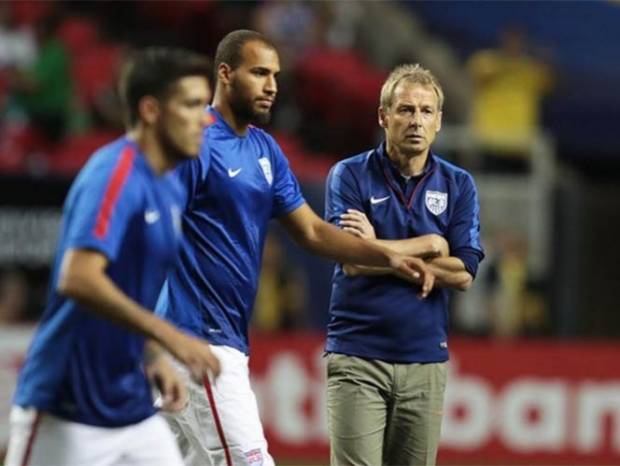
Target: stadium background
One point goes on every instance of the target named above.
(535, 377)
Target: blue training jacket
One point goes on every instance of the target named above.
(381, 317)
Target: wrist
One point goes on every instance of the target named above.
(152, 351)
(162, 333)
(393, 259)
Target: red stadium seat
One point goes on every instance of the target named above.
(95, 70)
(335, 84)
(30, 12)
(75, 151)
(307, 166)
(78, 34)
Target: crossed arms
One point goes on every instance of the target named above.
(449, 271)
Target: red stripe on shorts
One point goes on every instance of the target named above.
(121, 171)
(33, 434)
(218, 423)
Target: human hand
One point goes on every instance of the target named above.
(416, 269)
(194, 353)
(171, 386)
(357, 223)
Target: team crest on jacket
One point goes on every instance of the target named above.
(265, 164)
(436, 202)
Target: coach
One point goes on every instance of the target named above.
(387, 347)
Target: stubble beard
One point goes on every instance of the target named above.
(172, 151)
(243, 108)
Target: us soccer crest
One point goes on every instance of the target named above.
(265, 164)
(436, 202)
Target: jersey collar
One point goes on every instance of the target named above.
(393, 176)
(218, 119)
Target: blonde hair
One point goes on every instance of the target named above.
(413, 74)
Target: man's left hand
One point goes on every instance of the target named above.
(164, 376)
(356, 223)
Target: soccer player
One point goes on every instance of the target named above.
(240, 181)
(84, 393)
(387, 347)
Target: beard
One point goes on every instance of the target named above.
(244, 110)
(171, 149)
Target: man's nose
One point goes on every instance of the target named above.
(271, 85)
(416, 120)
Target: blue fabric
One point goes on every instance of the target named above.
(381, 317)
(234, 188)
(81, 367)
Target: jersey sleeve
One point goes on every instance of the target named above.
(102, 207)
(287, 192)
(464, 229)
(341, 193)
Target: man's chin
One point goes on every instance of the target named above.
(188, 154)
(414, 149)
(261, 118)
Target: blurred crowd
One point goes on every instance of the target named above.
(58, 102)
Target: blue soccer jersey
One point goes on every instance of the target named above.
(81, 367)
(235, 187)
(381, 317)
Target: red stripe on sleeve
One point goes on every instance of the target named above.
(117, 181)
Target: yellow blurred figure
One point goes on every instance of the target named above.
(508, 88)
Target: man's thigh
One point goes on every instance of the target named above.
(39, 439)
(414, 425)
(357, 391)
(220, 424)
(150, 443)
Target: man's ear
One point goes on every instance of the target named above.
(149, 109)
(381, 116)
(439, 120)
(223, 73)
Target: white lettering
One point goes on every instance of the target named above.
(596, 401)
(288, 384)
(532, 415)
(467, 411)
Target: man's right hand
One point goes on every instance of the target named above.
(194, 353)
(414, 268)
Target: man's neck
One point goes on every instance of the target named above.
(221, 104)
(152, 150)
(407, 164)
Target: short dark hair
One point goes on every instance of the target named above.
(153, 71)
(229, 49)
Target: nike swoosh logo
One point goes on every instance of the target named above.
(151, 216)
(232, 173)
(374, 200)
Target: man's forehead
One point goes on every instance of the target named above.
(407, 91)
(189, 86)
(257, 53)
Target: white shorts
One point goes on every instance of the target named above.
(220, 425)
(40, 439)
